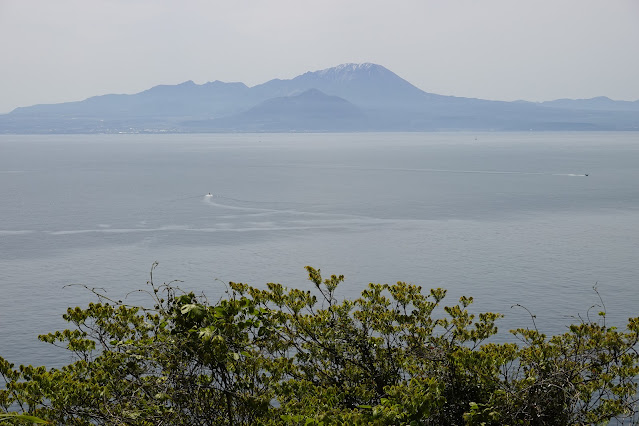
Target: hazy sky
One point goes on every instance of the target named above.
(62, 50)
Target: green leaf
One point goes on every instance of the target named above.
(25, 417)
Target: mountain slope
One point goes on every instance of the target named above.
(311, 110)
(188, 98)
(366, 85)
(600, 103)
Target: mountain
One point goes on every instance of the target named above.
(311, 110)
(182, 99)
(367, 85)
(348, 97)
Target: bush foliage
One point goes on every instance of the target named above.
(395, 356)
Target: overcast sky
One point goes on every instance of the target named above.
(65, 50)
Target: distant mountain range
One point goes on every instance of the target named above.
(349, 97)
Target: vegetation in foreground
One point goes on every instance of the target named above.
(278, 356)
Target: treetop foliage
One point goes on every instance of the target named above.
(279, 356)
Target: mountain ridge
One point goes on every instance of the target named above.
(383, 100)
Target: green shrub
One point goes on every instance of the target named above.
(280, 356)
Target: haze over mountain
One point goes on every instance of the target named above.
(348, 97)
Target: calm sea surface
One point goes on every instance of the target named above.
(509, 218)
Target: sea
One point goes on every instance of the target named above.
(542, 227)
